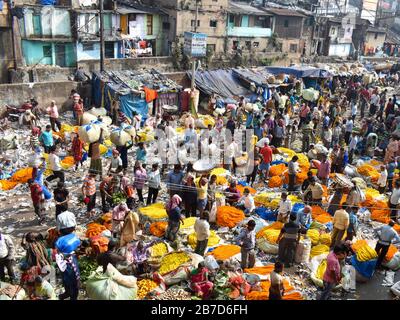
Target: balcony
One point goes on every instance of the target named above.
(253, 32)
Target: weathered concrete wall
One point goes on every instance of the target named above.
(17, 93)
(180, 78)
(163, 64)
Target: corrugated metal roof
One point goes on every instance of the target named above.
(127, 10)
(284, 12)
(376, 29)
(244, 8)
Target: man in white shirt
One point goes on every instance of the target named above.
(394, 200)
(66, 222)
(353, 110)
(7, 252)
(352, 146)
(55, 166)
(247, 201)
(349, 129)
(231, 151)
(374, 104)
(382, 181)
(202, 229)
(285, 207)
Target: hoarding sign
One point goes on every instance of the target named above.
(195, 44)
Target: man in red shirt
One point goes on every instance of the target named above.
(332, 275)
(37, 199)
(266, 153)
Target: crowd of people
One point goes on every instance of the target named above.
(349, 120)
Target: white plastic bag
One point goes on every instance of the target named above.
(267, 247)
(213, 213)
(349, 278)
(211, 263)
(394, 263)
(396, 289)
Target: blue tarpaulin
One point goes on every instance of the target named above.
(299, 72)
(130, 103)
(366, 269)
(267, 214)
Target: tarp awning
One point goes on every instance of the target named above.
(220, 82)
(127, 10)
(300, 72)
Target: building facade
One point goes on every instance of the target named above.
(248, 28)
(68, 33)
(6, 55)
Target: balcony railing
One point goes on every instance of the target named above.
(249, 32)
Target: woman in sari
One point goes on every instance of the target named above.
(199, 282)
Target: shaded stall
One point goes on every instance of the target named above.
(221, 82)
(135, 91)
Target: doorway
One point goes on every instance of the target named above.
(60, 55)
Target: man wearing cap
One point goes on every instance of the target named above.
(304, 218)
(7, 251)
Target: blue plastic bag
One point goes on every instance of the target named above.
(243, 183)
(297, 207)
(267, 214)
(67, 244)
(46, 192)
(366, 268)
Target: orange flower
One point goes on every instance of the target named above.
(260, 270)
(381, 215)
(275, 182)
(225, 251)
(94, 229)
(241, 189)
(397, 228)
(317, 210)
(158, 228)
(229, 216)
(324, 218)
(391, 252)
(22, 175)
(277, 170)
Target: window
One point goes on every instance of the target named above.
(376, 36)
(235, 45)
(132, 17)
(87, 46)
(149, 25)
(231, 18)
(333, 31)
(256, 44)
(286, 23)
(47, 52)
(248, 45)
(293, 48)
(166, 25)
(109, 50)
(211, 48)
(213, 23)
(192, 23)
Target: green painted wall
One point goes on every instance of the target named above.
(33, 53)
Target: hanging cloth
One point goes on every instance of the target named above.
(150, 94)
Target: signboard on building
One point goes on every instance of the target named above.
(195, 44)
